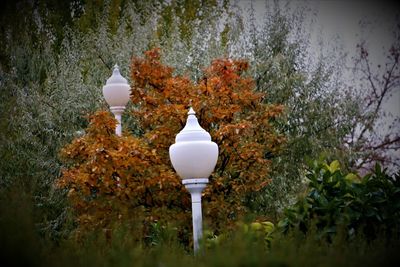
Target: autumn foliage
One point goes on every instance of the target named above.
(113, 179)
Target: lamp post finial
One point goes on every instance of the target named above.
(191, 111)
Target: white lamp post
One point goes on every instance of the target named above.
(194, 157)
(116, 92)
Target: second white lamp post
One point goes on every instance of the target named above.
(194, 157)
(116, 92)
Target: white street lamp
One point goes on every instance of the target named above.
(116, 92)
(194, 157)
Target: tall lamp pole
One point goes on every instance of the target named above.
(116, 92)
(194, 157)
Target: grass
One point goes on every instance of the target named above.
(22, 245)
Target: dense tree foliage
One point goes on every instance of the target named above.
(108, 172)
(317, 117)
(119, 180)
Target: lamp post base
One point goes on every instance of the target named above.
(195, 188)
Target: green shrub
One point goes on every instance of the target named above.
(336, 200)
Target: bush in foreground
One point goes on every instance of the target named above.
(336, 200)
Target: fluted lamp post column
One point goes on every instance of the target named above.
(116, 92)
(194, 157)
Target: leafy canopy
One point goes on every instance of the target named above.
(132, 176)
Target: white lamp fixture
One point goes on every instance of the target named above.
(194, 157)
(116, 92)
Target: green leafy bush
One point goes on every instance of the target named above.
(369, 205)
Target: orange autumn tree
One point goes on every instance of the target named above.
(227, 106)
(115, 179)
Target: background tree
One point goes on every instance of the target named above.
(317, 116)
(374, 132)
(46, 92)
